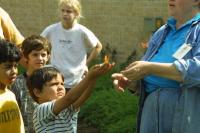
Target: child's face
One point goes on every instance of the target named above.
(53, 89)
(8, 73)
(67, 14)
(37, 59)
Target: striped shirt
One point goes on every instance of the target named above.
(45, 121)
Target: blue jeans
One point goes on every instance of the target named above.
(158, 111)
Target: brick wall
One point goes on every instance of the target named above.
(115, 22)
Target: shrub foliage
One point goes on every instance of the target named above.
(108, 110)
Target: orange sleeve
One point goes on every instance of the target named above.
(9, 29)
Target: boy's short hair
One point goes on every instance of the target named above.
(35, 42)
(75, 4)
(40, 77)
(9, 52)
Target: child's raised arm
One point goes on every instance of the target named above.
(78, 95)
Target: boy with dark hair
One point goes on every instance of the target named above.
(10, 117)
(56, 107)
(36, 50)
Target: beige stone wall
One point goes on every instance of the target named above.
(117, 22)
(121, 22)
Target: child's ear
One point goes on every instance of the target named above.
(77, 15)
(36, 92)
(25, 59)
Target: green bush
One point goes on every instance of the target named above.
(109, 110)
(21, 69)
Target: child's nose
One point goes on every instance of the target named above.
(60, 87)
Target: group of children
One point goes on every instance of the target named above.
(48, 97)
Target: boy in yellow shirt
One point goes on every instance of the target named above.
(10, 117)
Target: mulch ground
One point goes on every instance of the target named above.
(84, 128)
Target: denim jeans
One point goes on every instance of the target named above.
(158, 111)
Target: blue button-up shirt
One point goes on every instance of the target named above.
(186, 116)
(161, 50)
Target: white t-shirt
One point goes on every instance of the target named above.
(69, 50)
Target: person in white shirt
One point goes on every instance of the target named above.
(70, 43)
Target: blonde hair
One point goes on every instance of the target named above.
(75, 4)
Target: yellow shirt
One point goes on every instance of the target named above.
(10, 117)
(8, 29)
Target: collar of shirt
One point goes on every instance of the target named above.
(171, 22)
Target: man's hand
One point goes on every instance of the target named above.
(136, 70)
(120, 82)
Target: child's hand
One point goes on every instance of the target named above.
(120, 82)
(99, 70)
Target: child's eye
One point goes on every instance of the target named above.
(67, 11)
(54, 84)
(10, 66)
(44, 55)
